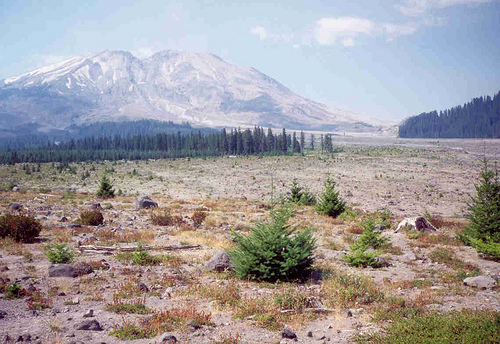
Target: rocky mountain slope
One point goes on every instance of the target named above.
(201, 89)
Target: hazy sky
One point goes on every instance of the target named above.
(387, 59)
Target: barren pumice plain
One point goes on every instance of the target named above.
(148, 283)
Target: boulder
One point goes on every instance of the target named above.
(288, 334)
(144, 202)
(70, 270)
(15, 206)
(480, 282)
(62, 270)
(219, 262)
(418, 223)
(89, 325)
(169, 340)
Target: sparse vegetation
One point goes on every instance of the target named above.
(105, 187)
(22, 228)
(91, 217)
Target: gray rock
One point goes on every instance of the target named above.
(2, 314)
(288, 334)
(170, 339)
(142, 287)
(89, 313)
(15, 189)
(144, 202)
(382, 262)
(89, 325)
(70, 270)
(62, 270)
(480, 282)
(193, 324)
(15, 206)
(410, 256)
(94, 206)
(219, 262)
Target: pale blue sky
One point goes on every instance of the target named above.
(387, 59)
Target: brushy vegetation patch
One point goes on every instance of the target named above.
(446, 256)
(21, 228)
(160, 322)
(347, 290)
(137, 306)
(91, 218)
(464, 326)
(273, 250)
(142, 257)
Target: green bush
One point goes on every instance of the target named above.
(483, 233)
(370, 236)
(301, 196)
(362, 259)
(20, 227)
(105, 188)
(273, 250)
(330, 203)
(59, 253)
(14, 291)
(91, 217)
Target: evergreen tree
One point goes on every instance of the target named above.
(330, 203)
(485, 207)
(105, 187)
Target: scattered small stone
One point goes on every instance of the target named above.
(74, 225)
(24, 338)
(15, 206)
(95, 206)
(144, 202)
(64, 219)
(310, 334)
(288, 334)
(219, 262)
(15, 189)
(142, 287)
(348, 313)
(89, 313)
(382, 262)
(31, 288)
(2, 314)
(170, 339)
(75, 301)
(62, 293)
(193, 324)
(89, 325)
(82, 268)
(480, 282)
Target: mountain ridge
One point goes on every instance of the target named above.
(201, 89)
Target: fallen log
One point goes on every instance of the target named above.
(94, 248)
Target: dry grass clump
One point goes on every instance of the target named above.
(199, 216)
(160, 322)
(137, 306)
(13, 247)
(107, 236)
(91, 217)
(162, 217)
(447, 257)
(21, 228)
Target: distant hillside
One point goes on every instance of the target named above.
(479, 118)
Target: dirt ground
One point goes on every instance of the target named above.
(406, 177)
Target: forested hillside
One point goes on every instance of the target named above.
(479, 118)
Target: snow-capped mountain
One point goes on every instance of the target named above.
(201, 89)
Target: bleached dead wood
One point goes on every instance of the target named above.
(93, 248)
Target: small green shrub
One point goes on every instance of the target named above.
(21, 227)
(362, 259)
(59, 253)
(14, 291)
(330, 203)
(300, 196)
(91, 217)
(105, 188)
(274, 251)
(370, 237)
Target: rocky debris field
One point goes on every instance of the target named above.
(157, 273)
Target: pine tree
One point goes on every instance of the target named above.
(485, 207)
(330, 203)
(105, 188)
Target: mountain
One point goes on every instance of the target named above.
(201, 89)
(479, 118)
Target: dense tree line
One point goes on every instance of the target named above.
(167, 145)
(479, 118)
